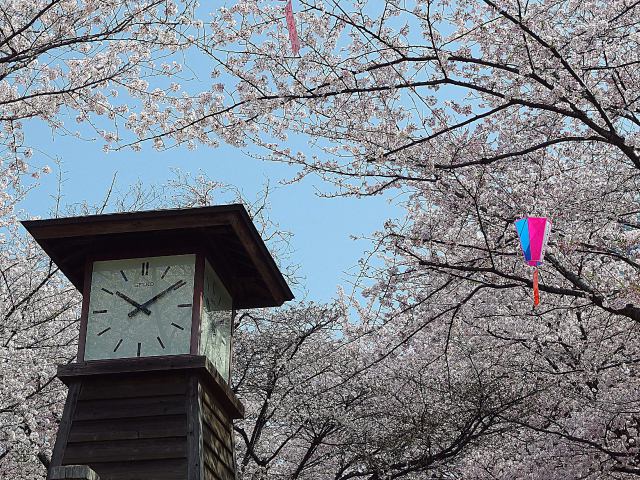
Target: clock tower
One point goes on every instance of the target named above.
(149, 395)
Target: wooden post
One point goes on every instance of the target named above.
(73, 472)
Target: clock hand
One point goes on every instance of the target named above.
(144, 306)
(134, 303)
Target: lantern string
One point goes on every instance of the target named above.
(536, 291)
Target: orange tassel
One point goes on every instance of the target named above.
(536, 292)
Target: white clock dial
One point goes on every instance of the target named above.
(215, 331)
(140, 307)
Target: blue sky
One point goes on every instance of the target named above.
(322, 227)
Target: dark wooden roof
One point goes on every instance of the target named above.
(225, 232)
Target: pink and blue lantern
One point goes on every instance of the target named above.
(533, 233)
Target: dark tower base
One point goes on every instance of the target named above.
(157, 418)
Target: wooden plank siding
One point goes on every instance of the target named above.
(195, 466)
(150, 425)
(131, 426)
(168, 469)
(217, 439)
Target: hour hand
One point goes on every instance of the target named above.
(134, 303)
(143, 307)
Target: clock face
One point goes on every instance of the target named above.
(140, 307)
(215, 331)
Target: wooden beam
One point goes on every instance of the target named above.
(195, 467)
(65, 425)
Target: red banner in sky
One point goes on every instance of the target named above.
(291, 25)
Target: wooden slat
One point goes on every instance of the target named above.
(212, 403)
(130, 407)
(216, 465)
(210, 474)
(218, 393)
(124, 450)
(171, 469)
(129, 428)
(134, 386)
(213, 423)
(214, 444)
(118, 366)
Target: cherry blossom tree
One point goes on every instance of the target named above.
(37, 331)
(323, 392)
(319, 407)
(475, 113)
(84, 66)
(478, 113)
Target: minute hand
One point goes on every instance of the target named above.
(175, 286)
(133, 302)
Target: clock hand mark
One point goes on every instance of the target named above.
(144, 306)
(165, 272)
(134, 303)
